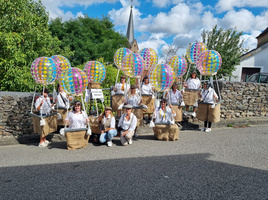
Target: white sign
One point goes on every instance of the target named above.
(97, 94)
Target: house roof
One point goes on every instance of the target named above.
(253, 52)
(263, 33)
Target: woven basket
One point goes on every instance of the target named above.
(76, 140)
(166, 132)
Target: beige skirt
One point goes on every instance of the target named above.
(206, 113)
(50, 126)
(166, 132)
(149, 102)
(63, 113)
(76, 140)
(117, 100)
(190, 97)
(178, 110)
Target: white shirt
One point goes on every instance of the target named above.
(118, 87)
(163, 116)
(193, 83)
(207, 95)
(112, 125)
(146, 89)
(127, 125)
(175, 97)
(133, 100)
(60, 97)
(77, 120)
(46, 106)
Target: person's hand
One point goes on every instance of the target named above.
(71, 98)
(114, 88)
(124, 133)
(184, 84)
(66, 121)
(87, 119)
(102, 131)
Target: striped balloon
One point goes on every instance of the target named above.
(150, 57)
(119, 55)
(161, 77)
(178, 64)
(73, 81)
(194, 50)
(95, 71)
(62, 64)
(209, 62)
(44, 70)
(133, 65)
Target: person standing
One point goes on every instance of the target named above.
(62, 98)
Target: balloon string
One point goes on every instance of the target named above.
(65, 124)
(218, 86)
(41, 114)
(33, 98)
(117, 76)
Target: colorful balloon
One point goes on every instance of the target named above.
(150, 57)
(119, 55)
(209, 62)
(178, 64)
(133, 65)
(62, 64)
(73, 81)
(194, 50)
(44, 70)
(161, 77)
(95, 71)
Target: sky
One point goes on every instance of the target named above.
(160, 23)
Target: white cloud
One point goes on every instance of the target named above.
(227, 5)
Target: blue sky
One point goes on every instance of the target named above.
(160, 23)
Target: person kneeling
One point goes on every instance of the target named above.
(165, 129)
(127, 125)
(108, 130)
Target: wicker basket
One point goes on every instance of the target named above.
(76, 139)
(50, 126)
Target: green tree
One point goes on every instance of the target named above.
(89, 38)
(229, 44)
(24, 36)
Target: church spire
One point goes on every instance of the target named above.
(130, 27)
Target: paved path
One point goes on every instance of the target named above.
(224, 164)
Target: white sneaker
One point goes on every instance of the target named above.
(194, 114)
(43, 144)
(129, 141)
(208, 130)
(47, 142)
(109, 143)
(203, 129)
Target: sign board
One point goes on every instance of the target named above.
(96, 94)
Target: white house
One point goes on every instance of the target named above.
(253, 61)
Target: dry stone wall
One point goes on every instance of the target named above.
(239, 100)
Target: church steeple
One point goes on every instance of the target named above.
(130, 33)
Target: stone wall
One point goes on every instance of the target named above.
(240, 100)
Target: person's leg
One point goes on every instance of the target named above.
(187, 108)
(209, 124)
(111, 134)
(205, 124)
(103, 138)
(123, 139)
(129, 136)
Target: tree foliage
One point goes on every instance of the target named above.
(24, 36)
(229, 44)
(88, 38)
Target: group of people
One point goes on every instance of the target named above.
(127, 122)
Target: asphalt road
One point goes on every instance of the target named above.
(223, 164)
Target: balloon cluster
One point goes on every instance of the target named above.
(161, 77)
(95, 71)
(178, 64)
(132, 65)
(44, 70)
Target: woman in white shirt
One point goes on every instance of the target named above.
(174, 94)
(164, 113)
(108, 130)
(208, 95)
(192, 83)
(127, 125)
(147, 89)
(133, 98)
(62, 98)
(122, 87)
(77, 118)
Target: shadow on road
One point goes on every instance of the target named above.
(190, 176)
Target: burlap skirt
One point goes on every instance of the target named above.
(50, 127)
(63, 113)
(190, 97)
(76, 139)
(166, 132)
(117, 100)
(149, 102)
(94, 125)
(178, 110)
(206, 113)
